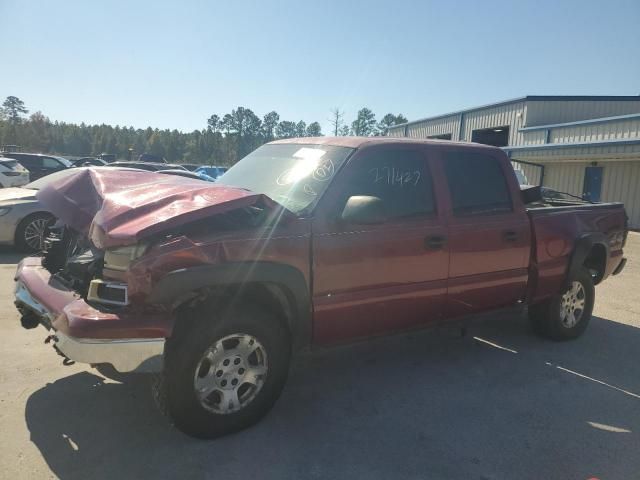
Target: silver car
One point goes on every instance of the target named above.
(23, 220)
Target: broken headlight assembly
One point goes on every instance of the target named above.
(112, 290)
(117, 260)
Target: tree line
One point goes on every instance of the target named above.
(223, 140)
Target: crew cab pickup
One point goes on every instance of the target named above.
(311, 241)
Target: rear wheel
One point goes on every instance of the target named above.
(31, 230)
(566, 315)
(224, 372)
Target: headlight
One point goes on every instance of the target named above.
(112, 293)
(118, 259)
(4, 210)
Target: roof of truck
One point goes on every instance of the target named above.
(359, 142)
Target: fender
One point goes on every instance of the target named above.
(180, 282)
(583, 247)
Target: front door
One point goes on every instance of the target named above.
(592, 184)
(373, 279)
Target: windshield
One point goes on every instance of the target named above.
(44, 181)
(294, 175)
(64, 161)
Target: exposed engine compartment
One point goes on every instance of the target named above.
(71, 258)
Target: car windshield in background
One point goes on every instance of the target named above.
(44, 181)
(64, 161)
(294, 175)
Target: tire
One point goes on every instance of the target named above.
(566, 316)
(246, 346)
(30, 225)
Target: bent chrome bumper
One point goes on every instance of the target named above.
(76, 324)
(142, 355)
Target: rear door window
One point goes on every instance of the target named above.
(476, 183)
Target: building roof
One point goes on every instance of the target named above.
(530, 98)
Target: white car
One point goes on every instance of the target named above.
(12, 174)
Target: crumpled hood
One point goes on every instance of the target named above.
(117, 207)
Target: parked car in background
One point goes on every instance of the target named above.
(39, 165)
(191, 166)
(211, 170)
(107, 157)
(150, 157)
(149, 166)
(88, 162)
(188, 174)
(12, 174)
(303, 242)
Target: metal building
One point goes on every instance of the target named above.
(584, 145)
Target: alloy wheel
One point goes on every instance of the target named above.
(231, 373)
(34, 233)
(572, 305)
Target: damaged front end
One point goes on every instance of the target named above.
(90, 286)
(75, 262)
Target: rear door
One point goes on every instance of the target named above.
(489, 233)
(373, 279)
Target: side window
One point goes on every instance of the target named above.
(28, 161)
(51, 163)
(476, 183)
(400, 178)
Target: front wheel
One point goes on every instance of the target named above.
(224, 372)
(565, 316)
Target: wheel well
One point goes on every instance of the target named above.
(272, 296)
(596, 261)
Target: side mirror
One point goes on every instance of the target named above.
(364, 210)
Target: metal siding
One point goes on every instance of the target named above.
(435, 127)
(532, 172)
(565, 177)
(396, 131)
(537, 137)
(621, 183)
(625, 129)
(576, 153)
(504, 115)
(558, 111)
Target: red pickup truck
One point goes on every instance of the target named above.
(309, 241)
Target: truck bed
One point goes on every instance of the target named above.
(556, 226)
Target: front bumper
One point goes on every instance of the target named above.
(130, 341)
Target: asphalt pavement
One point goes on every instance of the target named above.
(498, 403)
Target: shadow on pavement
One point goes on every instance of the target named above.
(426, 405)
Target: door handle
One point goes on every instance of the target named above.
(435, 242)
(510, 236)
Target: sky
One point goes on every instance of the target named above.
(170, 64)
